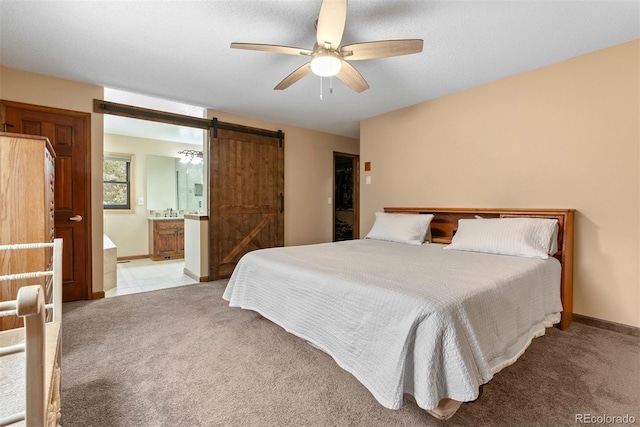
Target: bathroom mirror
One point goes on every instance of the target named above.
(174, 185)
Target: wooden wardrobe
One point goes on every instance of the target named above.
(27, 173)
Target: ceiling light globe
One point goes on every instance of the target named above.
(326, 64)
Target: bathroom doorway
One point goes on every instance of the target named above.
(156, 194)
(346, 196)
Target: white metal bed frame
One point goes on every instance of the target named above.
(42, 406)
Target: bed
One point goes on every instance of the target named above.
(433, 321)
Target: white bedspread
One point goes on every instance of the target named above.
(404, 318)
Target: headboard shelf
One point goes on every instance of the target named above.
(445, 224)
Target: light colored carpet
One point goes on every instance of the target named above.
(183, 357)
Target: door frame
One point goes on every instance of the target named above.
(355, 194)
(86, 117)
(100, 106)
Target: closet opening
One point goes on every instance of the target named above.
(346, 196)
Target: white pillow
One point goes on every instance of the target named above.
(428, 236)
(553, 245)
(525, 237)
(401, 228)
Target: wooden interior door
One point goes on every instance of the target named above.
(246, 194)
(69, 134)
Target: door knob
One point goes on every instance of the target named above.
(76, 218)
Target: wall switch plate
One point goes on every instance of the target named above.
(368, 179)
(329, 201)
(140, 201)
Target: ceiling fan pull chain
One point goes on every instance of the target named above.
(331, 84)
(321, 89)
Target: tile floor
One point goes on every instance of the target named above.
(142, 275)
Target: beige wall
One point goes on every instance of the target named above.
(29, 88)
(129, 230)
(308, 158)
(563, 136)
(308, 172)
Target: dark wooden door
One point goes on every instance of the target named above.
(246, 194)
(69, 134)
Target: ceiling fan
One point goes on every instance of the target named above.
(328, 58)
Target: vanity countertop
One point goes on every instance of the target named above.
(197, 217)
(164, 218)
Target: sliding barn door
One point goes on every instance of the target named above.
(246, 194)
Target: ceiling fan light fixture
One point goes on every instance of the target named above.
(326, 63)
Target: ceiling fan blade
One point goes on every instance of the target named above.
(294, 77)
(381, 49)
(331, 21)
(352, 78)
(287, 50)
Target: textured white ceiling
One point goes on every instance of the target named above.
(179, 50)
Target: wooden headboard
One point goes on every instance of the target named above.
(445, 224)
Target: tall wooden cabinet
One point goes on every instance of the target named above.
(27, 173)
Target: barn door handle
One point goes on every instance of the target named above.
(76, 218)
(281, 202)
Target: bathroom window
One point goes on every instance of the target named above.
(117, 181)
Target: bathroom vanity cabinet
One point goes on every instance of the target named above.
(166, 238)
